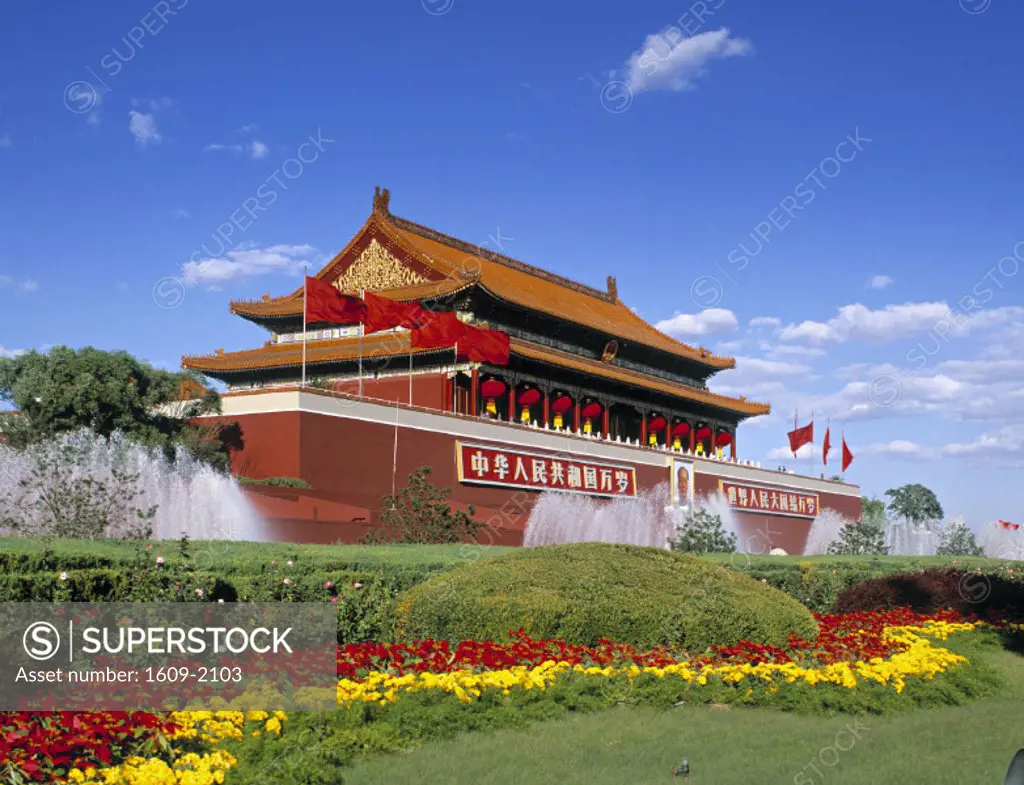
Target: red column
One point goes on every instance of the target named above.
(446, 394)
(732, 447)
(512, 403)
(474, 392)
(693, 437)
(546, 414)
(576, 416)
(643, 428)
(604, 422)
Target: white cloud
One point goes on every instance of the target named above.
(1006, 442)
(899, 448)
(858, 322)
(728, 346)
(143, 128)
(247, 262)
(707, 322)
(22, 285)
(782, 453)
(765, 321)
(775, 351)
(254, 149)
(10, 354)
(248, 128)
(758, 378)
(180, 212)
(5, 140)
(669, 61)
(154, 104)
(879, 281)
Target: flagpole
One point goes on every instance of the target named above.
(305, 307)
(410, 367)
(360, 328)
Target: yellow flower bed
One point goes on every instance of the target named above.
(188, 768)
(921, 659)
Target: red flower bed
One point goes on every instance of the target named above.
(38, 743)
(841, 638)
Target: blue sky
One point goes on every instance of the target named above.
(701, 152)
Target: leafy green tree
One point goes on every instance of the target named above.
(59, 497)
(914, 503)
(865, 537)
(957, 540)
(421, 513)
(702, 532)
(66, 390)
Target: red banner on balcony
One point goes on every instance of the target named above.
(777, 501)
(511, 468)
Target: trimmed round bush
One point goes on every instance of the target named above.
(583, 592)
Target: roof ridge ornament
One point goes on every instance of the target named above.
(381, 201)
(613, 288)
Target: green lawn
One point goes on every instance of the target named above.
(965, 745)
(241, 553)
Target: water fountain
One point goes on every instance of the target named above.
(190, 497)
(559, 518)
(1000, 543)
(825, 530)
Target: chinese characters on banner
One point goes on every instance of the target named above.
(783, 502)
(517, 469)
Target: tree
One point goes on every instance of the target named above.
(865, 537)
(914, 503)
(60, 495)
(702, 532)
(421, 513)
(957, 540)
(66, 390)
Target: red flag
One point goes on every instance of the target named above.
(484, 346)
(847, 455)
(383, 314)
(1009, 526)
(825, 447)
(324, 303)
(798, 437)
(439, 330)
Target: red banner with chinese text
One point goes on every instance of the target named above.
(753, 498)
(512, 468)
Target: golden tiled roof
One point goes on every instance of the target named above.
(458, 265)
(381, 346)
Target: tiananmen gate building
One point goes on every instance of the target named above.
(593, 400)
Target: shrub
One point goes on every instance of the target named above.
(588, 591)
(957, 540)
(865, 537)
(279, 482)
(989, 596)
(420, 513)
(702, 532)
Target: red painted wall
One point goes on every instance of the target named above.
(351, 464)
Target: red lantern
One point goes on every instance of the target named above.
(529, 397)
(656, 424)
(704, 433)
(592, 409)
(723, 439)
(561, 404)
(491, 389)
(680, 429)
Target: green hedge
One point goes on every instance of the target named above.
(817, 581)
(107, 570)
(584, 592)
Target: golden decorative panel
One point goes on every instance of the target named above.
(376, 269)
